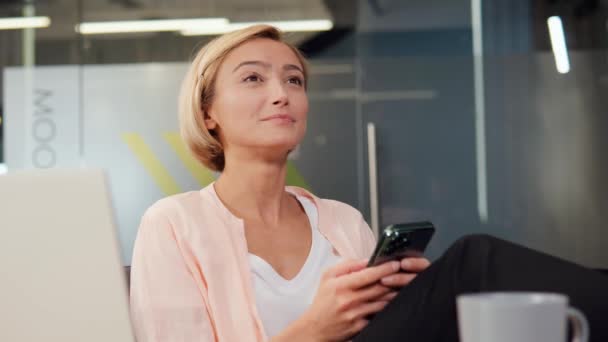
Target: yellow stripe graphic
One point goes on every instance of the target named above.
(151, 163)
(202, 175)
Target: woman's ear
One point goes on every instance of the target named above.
(210, 123)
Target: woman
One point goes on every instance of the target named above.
(248, 259)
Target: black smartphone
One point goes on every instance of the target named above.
(398, 241)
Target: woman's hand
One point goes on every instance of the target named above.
(410, 268)
(347, 294)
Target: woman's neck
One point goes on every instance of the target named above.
(254, 190)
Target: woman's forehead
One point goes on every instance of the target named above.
(264, 52)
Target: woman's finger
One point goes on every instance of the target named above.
(366, 309)
(373, 292)
(414, 265)
(389, 296)
(359, 325)
(398, 279)
(369, 275)
(344, 267)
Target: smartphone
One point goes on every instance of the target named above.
(398, 241)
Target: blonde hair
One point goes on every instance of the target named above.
(198, 88)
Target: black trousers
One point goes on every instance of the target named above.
(425, 309)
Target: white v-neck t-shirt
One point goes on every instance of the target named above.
(280, 301)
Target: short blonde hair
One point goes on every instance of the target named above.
(198, 88)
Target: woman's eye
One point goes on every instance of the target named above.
(252, 78)
(295, 80)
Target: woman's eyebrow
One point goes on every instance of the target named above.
(292, 67)
(259, 63)
(268, 66)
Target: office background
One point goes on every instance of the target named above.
(477, 117)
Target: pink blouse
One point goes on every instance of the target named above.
(190, 275)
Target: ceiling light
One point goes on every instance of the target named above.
(105, 27)
(558, 44)
(15, 23)
(286, 26)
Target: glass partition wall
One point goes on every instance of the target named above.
(483, 116)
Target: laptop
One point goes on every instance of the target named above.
(61, 273)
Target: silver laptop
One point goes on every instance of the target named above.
(61, 274)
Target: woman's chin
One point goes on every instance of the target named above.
(279, 143)
(280, 150)
(275, 145)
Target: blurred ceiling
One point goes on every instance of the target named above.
(65, 14)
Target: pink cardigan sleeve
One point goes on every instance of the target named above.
(368, 240)
(166, 302)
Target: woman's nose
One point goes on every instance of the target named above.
(279, 93)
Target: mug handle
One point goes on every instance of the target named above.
(580, 326)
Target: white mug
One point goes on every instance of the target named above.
(518, 316)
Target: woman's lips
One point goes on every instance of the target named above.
(280, 117)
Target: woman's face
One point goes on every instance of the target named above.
(260, 101)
